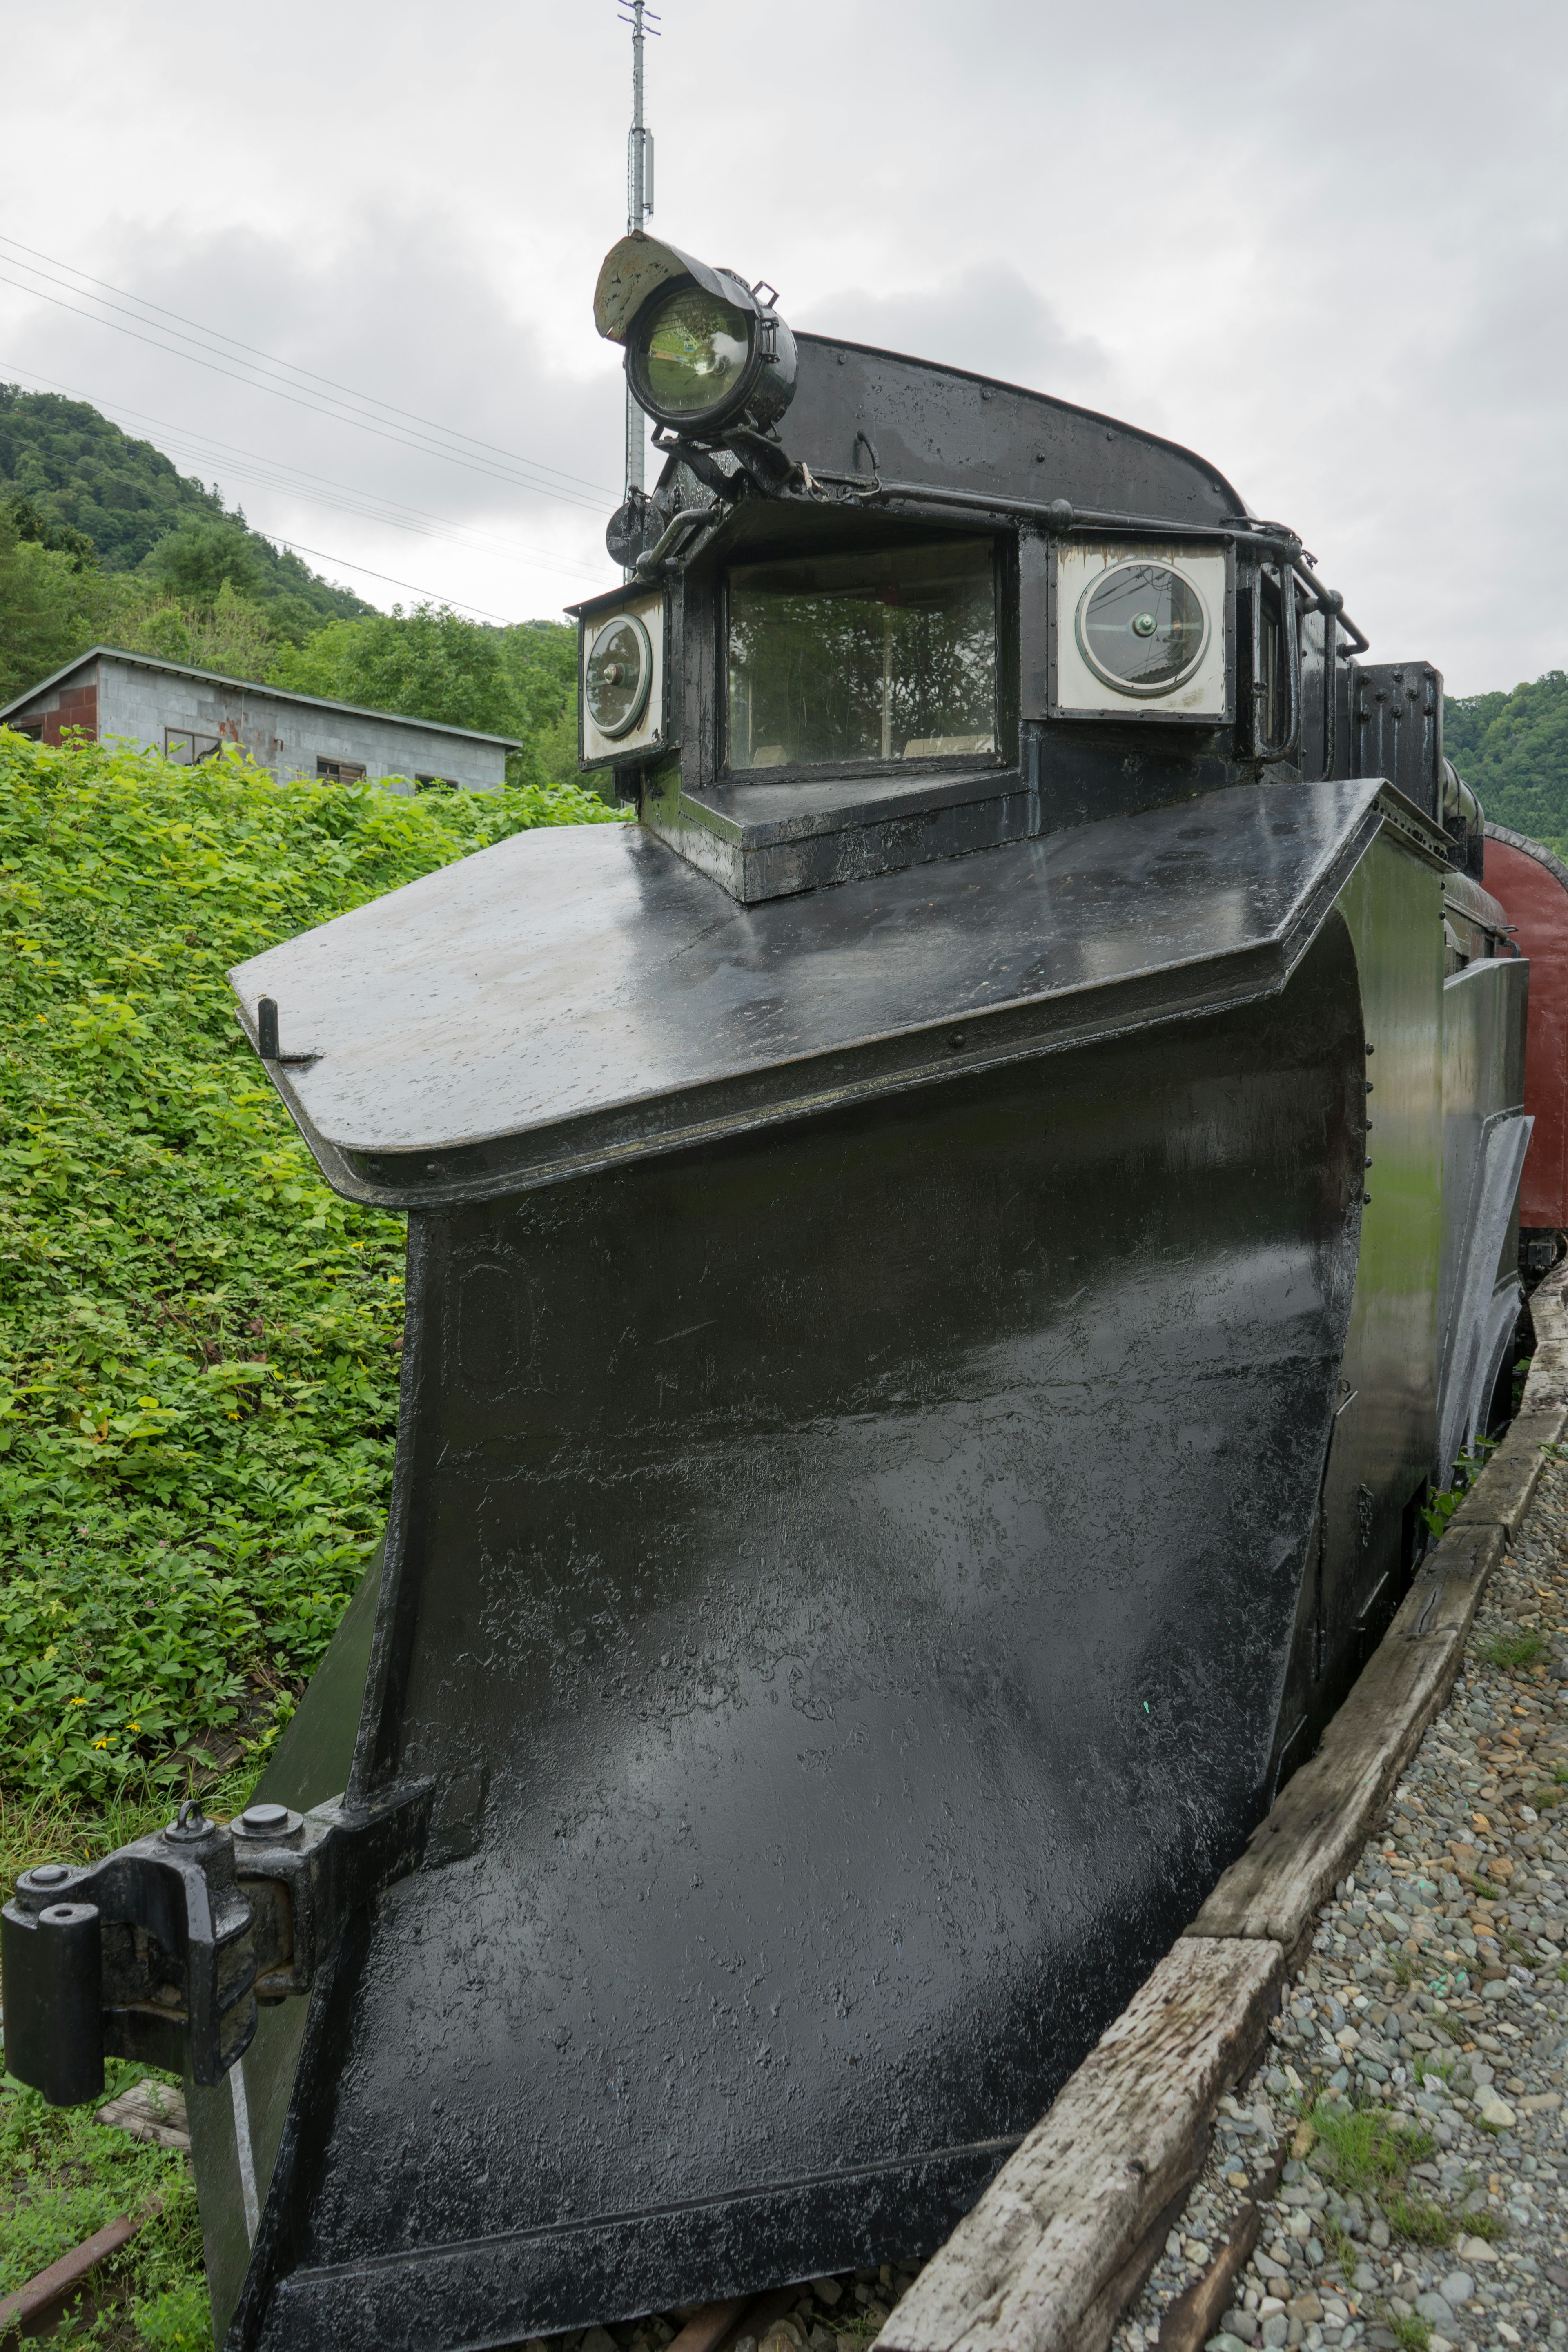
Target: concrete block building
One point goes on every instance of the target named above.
(188, 714)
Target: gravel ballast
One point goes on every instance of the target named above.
(1404, 2136)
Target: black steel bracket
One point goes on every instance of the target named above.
(162, 1950)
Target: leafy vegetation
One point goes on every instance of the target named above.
(198, 1341)
(52, 601)
(1440, 1510)
(1512, 750)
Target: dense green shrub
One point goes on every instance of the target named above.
(198, 1341)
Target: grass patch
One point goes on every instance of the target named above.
(1370, 2153)
(1365, 2150)
(1511, 1652)
(1420, 2219)
(1412, 2333)
(1339, 2246)
(44, 1827)
(63, 2176)
(1485, 2223)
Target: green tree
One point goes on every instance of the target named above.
(202, 555)
(52, 606)
(33, 523)
(427, 664)
(82, 476)
(1512, 750)
(433, 663)
(229, 633)
(540, 660)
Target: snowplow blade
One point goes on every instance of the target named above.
(846, 1546)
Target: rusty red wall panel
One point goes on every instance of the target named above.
(75, 706)
(1533, 888)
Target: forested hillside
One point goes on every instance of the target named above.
(1512, 750)
(103, 541)
(76, 469)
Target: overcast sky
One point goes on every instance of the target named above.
(1324, 245)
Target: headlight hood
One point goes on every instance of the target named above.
(638, 266)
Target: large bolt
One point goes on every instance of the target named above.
(265, 1821)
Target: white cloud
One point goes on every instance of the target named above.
(1327, 249)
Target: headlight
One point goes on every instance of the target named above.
(690, 356)
(704, 356)
(619, 668)
(1142, 628)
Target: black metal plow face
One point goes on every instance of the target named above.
(839, 1582)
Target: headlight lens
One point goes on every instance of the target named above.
(692, 356)
(1142, 628)
(619, 674)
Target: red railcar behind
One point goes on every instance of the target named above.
(1532, 885)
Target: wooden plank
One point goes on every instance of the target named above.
(1071, 2209)
(1547, 1380)
(1305, 1846)
(1502, 1494)
(1099, 2322)
(1191, 2319)
(714, 2325)
(1546, 1383)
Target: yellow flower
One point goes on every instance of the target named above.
(101, 1743)
(76, 1702)
(133, 1726)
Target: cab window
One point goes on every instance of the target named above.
(884, 656)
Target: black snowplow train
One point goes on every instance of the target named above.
(945, 1259)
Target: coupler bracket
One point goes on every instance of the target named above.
(162, 1951)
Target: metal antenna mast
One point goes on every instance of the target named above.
(644, 22)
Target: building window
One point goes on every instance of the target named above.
(185, 747)
(33, 728)
(435, 783)
(340, 771)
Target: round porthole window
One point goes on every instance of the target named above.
(1142, 628)
(619, 673)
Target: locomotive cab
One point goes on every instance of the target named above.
(901, 611)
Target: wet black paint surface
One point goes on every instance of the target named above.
(841, 1580)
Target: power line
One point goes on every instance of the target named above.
(371, 399)
(256, 384)
(431, 595)
(291, 481)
